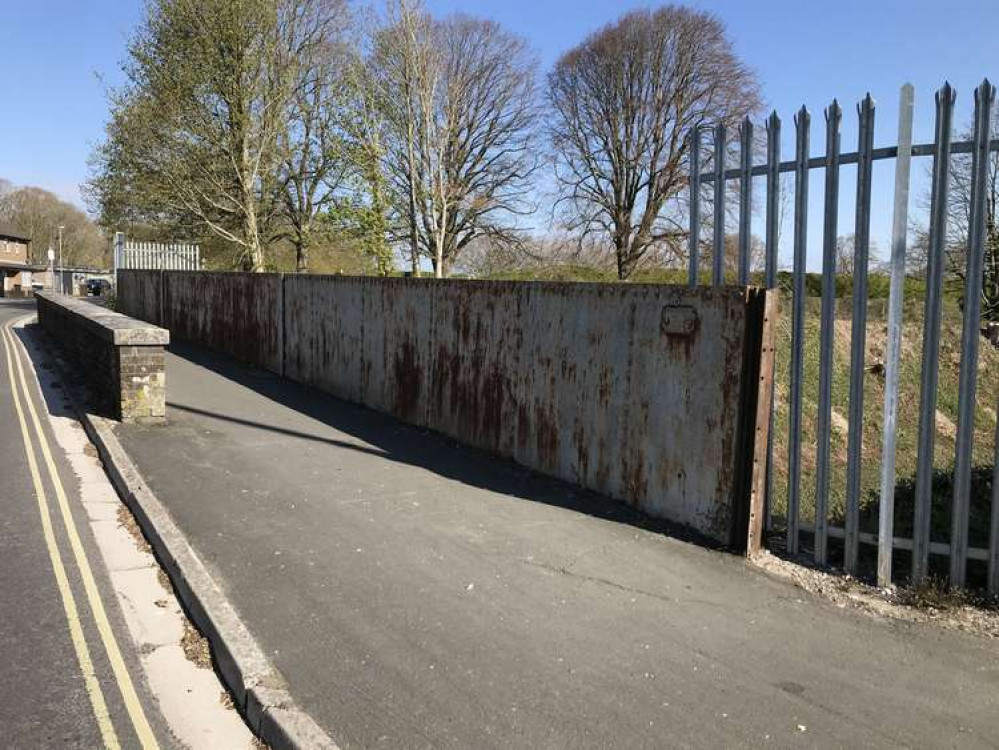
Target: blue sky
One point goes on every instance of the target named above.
(57, 51)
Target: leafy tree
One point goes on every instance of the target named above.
(37, 214)
(195, 135)
(313, 146)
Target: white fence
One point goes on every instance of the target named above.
(167, 256)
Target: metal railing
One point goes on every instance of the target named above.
(167, 256)
(940, 151)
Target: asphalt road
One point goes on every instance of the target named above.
(50, 639)
(415, 594)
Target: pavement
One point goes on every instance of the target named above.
(417, 594)
(90, 640)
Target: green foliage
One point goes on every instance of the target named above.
(200, 129)
(366, 223)
(940, 516)
(37, 214)
(878, 285)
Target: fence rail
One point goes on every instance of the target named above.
(940, 151)
(167, 256)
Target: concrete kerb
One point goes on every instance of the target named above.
(257, 687)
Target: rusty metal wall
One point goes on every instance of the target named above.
(635, 391)
(631, 390)
(140, 295)
(236, 313)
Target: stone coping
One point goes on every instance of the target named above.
(114, 327)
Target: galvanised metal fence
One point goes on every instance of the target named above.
(166, 256)
(940, 151)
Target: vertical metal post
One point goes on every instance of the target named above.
(718, 254)
(62, 271)
(858, 337)
(694, 246)
(118, 255)
(993, 575)
(834, 115)
(770, 278)
(802, 123)
(893, 355)
(970, 334)
(931, 335)
(773, 199)
(745, 198)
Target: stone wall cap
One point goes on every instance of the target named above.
(115, 327)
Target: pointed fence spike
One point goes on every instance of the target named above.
(970, 337)
(718, 246)
(858, 338)
(802, 121)
(826, 337)
(694, 243)
(745, 198)
(926, 436)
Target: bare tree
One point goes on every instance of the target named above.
(622, 103)
(398, 76)
(459, 101)
(959, 220)
(313, 146)
(845, 251)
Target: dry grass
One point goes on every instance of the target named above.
(908, 424)
(196, 647)
(127, 521)
(933, 603)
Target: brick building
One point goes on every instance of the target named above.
(16, 269)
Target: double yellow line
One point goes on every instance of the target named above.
(19, 388)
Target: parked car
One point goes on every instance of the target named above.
(98, 287)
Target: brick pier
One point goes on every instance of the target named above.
(121, 358)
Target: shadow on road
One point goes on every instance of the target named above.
(396, 441)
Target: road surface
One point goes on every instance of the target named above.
(416, 594)
(90, 639)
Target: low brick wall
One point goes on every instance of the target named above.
(121, 358)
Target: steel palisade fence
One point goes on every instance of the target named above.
(941, 151)
(167, 256)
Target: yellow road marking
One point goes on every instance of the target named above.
(93, 686)
(124, 680)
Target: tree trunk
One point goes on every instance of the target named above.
(439, 255)
(301, 256)
(303, 242)
(254, 251)
(625, 260)
(414, 248)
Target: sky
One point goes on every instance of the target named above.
(59, 56)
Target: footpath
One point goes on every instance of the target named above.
(416, 594)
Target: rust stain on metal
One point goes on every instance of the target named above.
(408, 378)
(632, 390)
